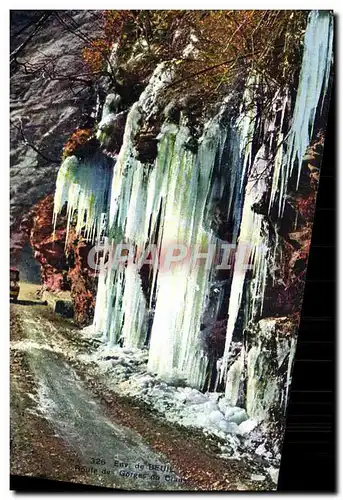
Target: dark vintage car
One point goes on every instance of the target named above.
(14, 284)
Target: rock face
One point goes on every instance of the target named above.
(63, 264)
(48, 98)
(59, 303)
(259, 378)
(49, 248)
(82, 280)
(292, 244)
(270, 352)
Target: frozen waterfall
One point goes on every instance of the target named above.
(169, 202)
(312, 88)
(313, 82)
(84, 185)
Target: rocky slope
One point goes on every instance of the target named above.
(51, 94)
(62, 258)
(48, 97)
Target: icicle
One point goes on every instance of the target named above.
(312, 88)
(278, 162)
(83, 185)
(247, 123)
(175, 346)
(251, 249)
(178, 186)
(289, 372)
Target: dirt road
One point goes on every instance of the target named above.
(67, 425)
(95, 449)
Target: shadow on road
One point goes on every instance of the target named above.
(30, 302)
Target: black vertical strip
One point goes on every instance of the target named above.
(308, 455)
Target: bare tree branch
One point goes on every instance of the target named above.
(215, 66)
(88, 40)
(30, 144)
(38, 25)
(28, 25)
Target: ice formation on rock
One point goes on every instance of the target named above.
(84, 185)
(313, 82)
(312, 87)
(170, 200)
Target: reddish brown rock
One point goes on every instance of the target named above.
(48, 247)
(82, 280)
(285, 288)
(63, 265)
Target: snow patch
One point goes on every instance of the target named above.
(29, 345)
(126, 373)
(274, 474)
(248, 426)
(257, 477)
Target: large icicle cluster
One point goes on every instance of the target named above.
(253, 240)
(313, 82)
(177, 187)
(312, 88)
(84, 186)
(170, 201)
